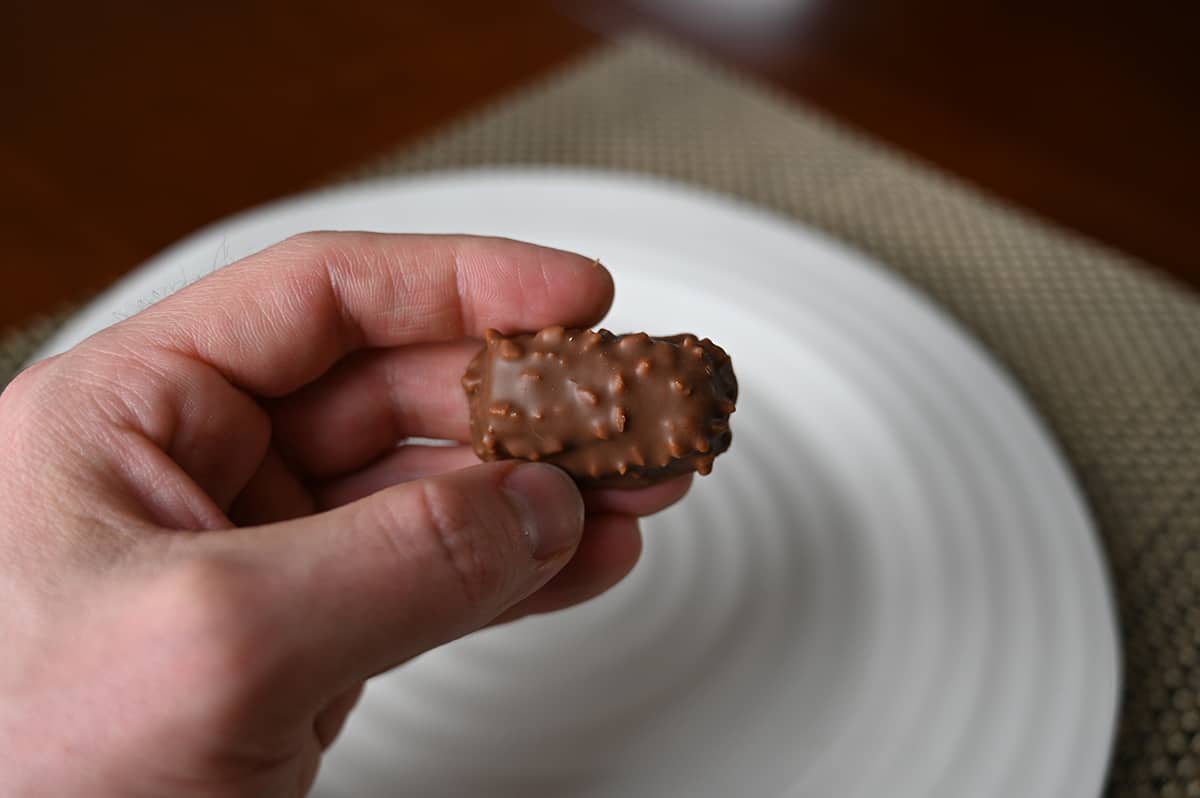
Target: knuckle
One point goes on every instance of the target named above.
(307, 238)
(24, 387)
(204, 606)
(309, 241)
(33, 411)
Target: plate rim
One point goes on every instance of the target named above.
(866, 265)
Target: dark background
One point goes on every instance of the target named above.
(126, 125)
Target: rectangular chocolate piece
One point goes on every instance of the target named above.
(613, 411)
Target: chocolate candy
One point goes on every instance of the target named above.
(614, 411)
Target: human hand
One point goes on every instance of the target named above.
(209, 538)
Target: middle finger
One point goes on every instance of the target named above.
(410, 462)
(367, 403)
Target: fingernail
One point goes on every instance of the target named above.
(550, 506)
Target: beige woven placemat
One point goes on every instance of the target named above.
(1108, 351)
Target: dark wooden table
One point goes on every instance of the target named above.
(126, 125)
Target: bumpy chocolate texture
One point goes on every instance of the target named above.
(613, 411)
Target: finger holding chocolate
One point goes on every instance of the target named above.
(614, 411)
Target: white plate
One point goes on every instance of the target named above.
(888, 587)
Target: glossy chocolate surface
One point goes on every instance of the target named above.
(613, 411)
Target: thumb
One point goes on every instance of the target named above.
(374, 583)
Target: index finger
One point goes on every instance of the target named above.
(278, 319)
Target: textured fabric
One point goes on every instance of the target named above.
(1108, 350)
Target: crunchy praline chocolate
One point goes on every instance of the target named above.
(613, 411)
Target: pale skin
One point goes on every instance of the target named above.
(209, 538)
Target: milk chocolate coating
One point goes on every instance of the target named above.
(614, 411)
